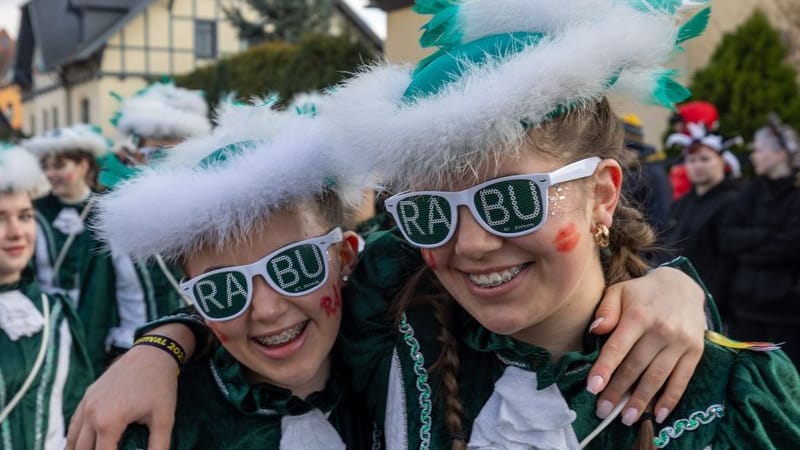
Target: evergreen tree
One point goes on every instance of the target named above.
(280, 20)
(748, 77)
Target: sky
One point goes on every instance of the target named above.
(9, 15)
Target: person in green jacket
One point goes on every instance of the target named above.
(507, 158)
(148, 123)
(102, 284)
(44, 368)
(265, 276)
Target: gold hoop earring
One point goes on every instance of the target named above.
(602, 236)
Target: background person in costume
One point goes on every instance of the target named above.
(44, 368)
(509, 154)
(761, 232)
(695, 219)
(156, 118)
(102, 286)
(254, 220)
(646, 183)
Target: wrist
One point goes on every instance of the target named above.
(165, 345)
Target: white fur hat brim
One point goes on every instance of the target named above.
(480, 115)
(81, 137)
(20, 172)
(150, 118)
(180, 207)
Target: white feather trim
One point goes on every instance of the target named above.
(148, 117)
(173, 210)
(472, 119)
(77, 137)
(20, 172)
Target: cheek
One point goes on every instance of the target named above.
(215, 328)
(332, 304)
(567, 238)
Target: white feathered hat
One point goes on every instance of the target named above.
(20, 172)
(216, 188)
(82, 137)
(502, 67)
(163, 110)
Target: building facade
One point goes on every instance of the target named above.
(72, 54)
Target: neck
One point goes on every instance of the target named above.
(703, 189)
(563, 330)
(8, 278)
(77, 194)
(315, 384)
(779, 171)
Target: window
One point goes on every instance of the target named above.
(205, 39)
(85, 117)
(55, 117)
(45, 123)
(32, 129)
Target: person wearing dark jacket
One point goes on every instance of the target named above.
(761, 233)
(695, 219)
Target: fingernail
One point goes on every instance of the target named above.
(629, 416)
(596, 323)
(662, 415)
(595, 384)
(604, 408)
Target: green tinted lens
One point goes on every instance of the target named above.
(511, 206)
(221, 295)
(297, 269)
(426, 219)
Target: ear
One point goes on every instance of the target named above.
(348, 252)
(607, 189)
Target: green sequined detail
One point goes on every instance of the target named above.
(694, 421)
(422, 382)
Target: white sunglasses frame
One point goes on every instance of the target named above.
(323, 243)
(574, 171)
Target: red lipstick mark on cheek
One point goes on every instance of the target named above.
(219, 334)
(428, 257)
(331, 305)
(567, 238)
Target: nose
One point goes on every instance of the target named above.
(13, 229)
(267, 305)
(471, 240)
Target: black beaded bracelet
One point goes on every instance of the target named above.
(168, 345)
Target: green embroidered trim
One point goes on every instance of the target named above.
(422, 382)
(46, 380)
(5, 427)
(694, 421)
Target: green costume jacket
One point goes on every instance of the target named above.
(735, 400)
(40, 419)
(112, 294)
(219, 409)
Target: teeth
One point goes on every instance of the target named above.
(283, 337)
(496, 278)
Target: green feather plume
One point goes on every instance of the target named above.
(695, 26)
(442, 30)
(669, 92)
(433, 6)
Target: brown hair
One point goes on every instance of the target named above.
(77, 156)
(591, 130)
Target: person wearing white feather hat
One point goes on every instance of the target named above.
(506, 155)
(255, 222)
(44, 368)
(103, 286)
(158, 117)
(154, 119)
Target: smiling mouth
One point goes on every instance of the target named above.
(284, 337)
(494, 279)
